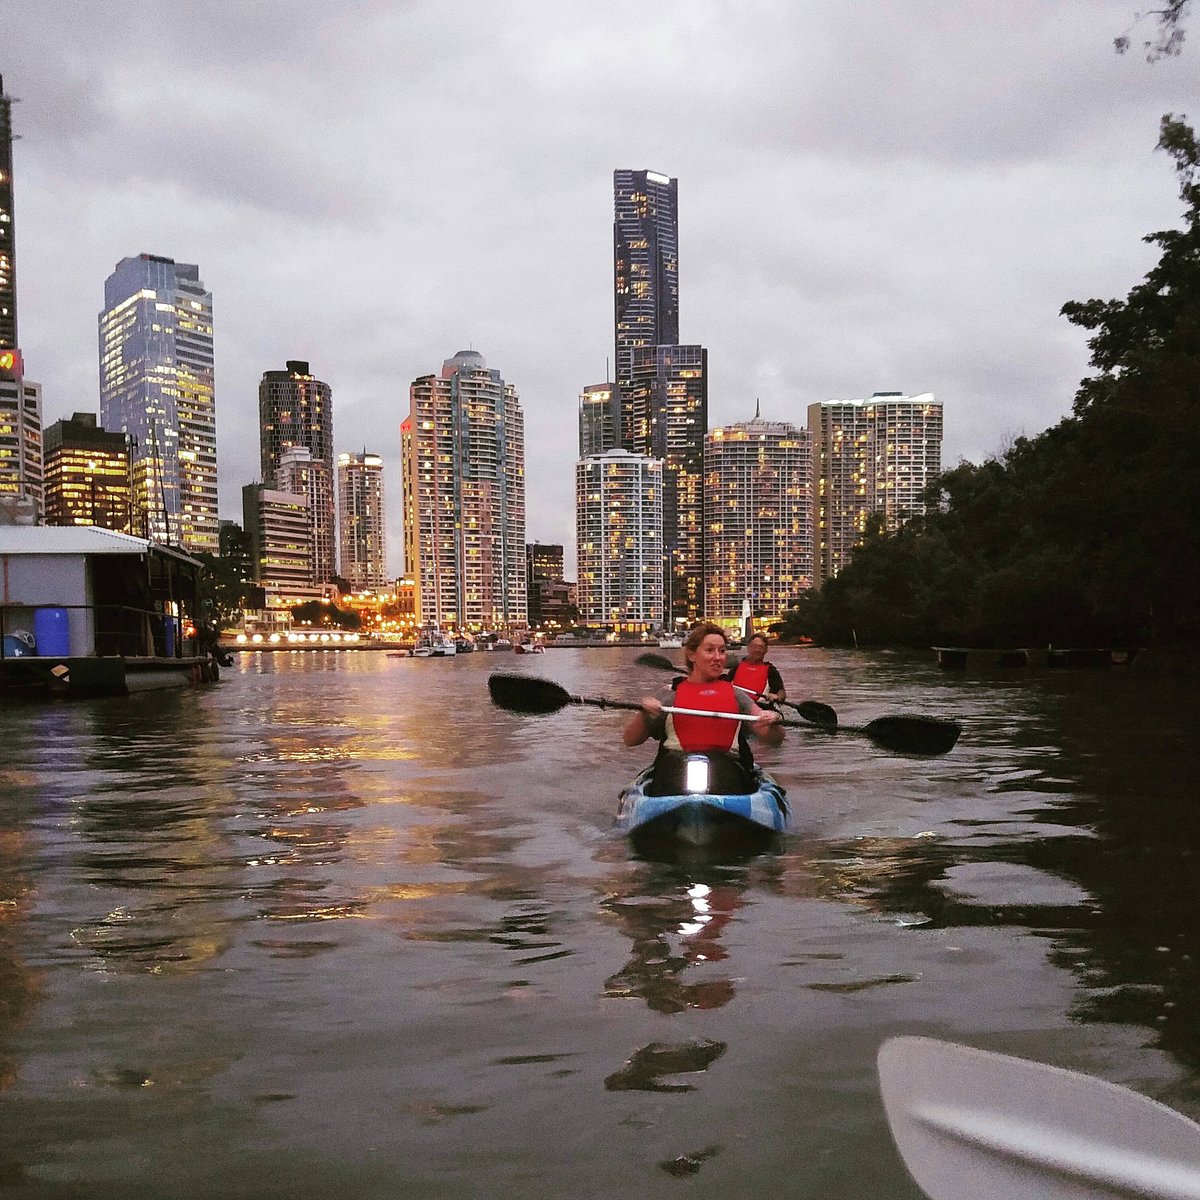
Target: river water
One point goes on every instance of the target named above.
(337, 926)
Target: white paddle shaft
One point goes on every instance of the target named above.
(700, 712)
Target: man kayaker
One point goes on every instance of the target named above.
(756, 675)
(721, 738)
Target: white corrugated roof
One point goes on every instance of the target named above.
(67, 539)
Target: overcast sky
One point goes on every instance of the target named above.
(873, 196)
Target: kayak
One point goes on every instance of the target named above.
(702, 817)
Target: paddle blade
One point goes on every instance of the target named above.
(526, 693)
(816, 712)
(913, 735)
(656, 660)
(971, 1125)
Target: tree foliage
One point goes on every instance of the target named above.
(1086, 534)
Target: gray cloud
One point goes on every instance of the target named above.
(872, 196)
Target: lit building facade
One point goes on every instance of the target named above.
(543, 566)
(87, 477)
(361, 523)
(599, 419)
(618, 531)
(156, 385)
(8, 232)
(463, 473)
(278, 526)
(664, 412)
(876, 455)
(645, 266)
(302, 475)
(295, 409)
(21, 490)
(758, 519)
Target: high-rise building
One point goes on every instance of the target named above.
(156, 385)
(618, 530)
(87, 475)
(21, 494)
(278, 526)
(543, 566)
(8, 233)
(645, 265)
(463, 471)
(363, 548)
(665, 415)
(758, 512)
(876, 455)
(302, 475)
(599, 419)
(296, 409)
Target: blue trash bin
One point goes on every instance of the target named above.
(52, 632)
(170, 625)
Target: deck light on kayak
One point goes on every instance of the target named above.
(695, 778)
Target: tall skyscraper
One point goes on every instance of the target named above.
(8, 233)
(21, 495)
(156, 384)
(296, 409)
(645, 265)
(361, 524)
(599, 419)
(758, 515)
(665, 415)
(463, 469)
(87, 475)
(618, 532)
(302, 475)
(870, 456)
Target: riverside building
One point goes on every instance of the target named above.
(875, 455)
(362, 549)
(618, 531)
(664, 412)
(758, 518)
(463, 472)
(87, 475)
(156, 385)
(295, 409)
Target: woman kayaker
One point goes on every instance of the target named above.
(721, 738)
(756, 675)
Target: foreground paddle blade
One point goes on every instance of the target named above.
(525, 693)
(977, 1126)
(913, 735)
(657, 660)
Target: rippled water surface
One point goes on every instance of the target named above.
(337, 926)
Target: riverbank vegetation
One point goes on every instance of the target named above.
(1086, 534)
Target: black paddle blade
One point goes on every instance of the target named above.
(913, 735)
(656, 660)
(527, 694)
(816, 712)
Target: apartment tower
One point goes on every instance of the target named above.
(463, 471)
(758, 519)
(362, 549)
(876, 455)
(295, 409)
(87, 475)
(618, 531)
(156, 385)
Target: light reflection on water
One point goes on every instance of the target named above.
(343, 919)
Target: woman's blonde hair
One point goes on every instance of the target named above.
(697, 635)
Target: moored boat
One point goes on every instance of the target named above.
(685, 812)
(86, 611)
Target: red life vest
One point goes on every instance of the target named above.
(752, 676)
(702, 734)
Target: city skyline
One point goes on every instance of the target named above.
(868, 224)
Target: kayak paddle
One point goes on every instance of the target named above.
(905, 734)
(972, 1125)
(912, 735)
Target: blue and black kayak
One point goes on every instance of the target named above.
(682, 809)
